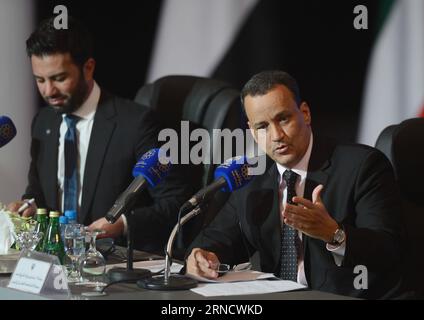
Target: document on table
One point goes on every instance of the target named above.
(231, 276)
(153, 266)
(247, 287)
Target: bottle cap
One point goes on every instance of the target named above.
(63, 220)
(71, 214)
(54, 214)
(41, 211)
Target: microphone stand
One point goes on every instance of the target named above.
(129, 274)
(168, 281)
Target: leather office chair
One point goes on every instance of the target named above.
(403, 144)
(205, 103)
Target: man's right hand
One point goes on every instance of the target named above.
(28, 212)
(202, 263)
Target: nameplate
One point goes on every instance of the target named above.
(29, 275)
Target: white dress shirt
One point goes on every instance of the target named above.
(301, 168)
(84, 126)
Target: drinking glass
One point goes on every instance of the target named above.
(28, 240)
(93, 264)
(74, 249)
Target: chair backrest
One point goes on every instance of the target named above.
(403, 144)
(206, 103)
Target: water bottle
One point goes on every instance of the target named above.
(63, 222)
(53, 243)
(72, 216)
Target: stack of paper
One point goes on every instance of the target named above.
(247, 287)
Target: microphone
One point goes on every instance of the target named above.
(149, 171)
(229, 176)
(7, 130)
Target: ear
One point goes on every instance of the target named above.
(88, 69)
(306, 112)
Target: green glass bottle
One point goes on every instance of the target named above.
(53, 243)
(41, 226)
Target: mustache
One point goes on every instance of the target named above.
(56, 96)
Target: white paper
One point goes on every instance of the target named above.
(248, 287)
(7, 235)
(153, 266)
(231, 276)
(29, 275)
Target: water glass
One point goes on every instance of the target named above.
(93, 264)
(28, 240)
(74, 249)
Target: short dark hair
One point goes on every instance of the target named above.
(261, 83)
(47, 40)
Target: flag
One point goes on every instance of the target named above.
(394, 89)
(193, 36)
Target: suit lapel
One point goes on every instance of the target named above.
(50, 161)
(264, 215)
(103, 127)
(275, 221)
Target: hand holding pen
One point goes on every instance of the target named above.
(25, 208)
(25, 205)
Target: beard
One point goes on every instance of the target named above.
(73, 101)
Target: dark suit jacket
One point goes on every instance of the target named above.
(359, 192)
(122, 131)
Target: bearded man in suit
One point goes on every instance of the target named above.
(105, 134)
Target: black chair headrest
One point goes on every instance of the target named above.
(178, 97)
(403, 144)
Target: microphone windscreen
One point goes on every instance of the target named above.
(152, 167)
(7, 130)
(235, 171)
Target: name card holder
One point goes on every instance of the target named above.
(41, 274)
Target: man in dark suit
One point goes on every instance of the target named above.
(110, 134)
(324, 214)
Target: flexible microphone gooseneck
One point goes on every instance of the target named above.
(235, 173)
(148, 172)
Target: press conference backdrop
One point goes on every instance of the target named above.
(231, 40)
(17, 94)
(316, 41)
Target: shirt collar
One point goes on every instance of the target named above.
(301, 168)
(89, 107)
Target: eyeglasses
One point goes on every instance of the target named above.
(223, 268)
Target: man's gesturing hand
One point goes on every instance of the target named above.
(311, 218)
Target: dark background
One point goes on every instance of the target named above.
(315, 41)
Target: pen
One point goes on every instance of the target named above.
(26, 204)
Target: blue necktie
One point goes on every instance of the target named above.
(289, 236)
(71, 158)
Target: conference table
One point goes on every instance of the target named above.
(130, 291)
